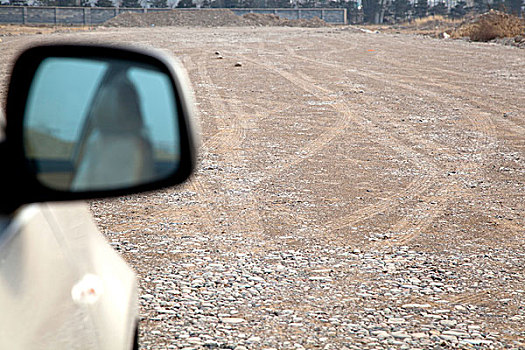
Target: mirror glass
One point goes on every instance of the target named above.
(95, 124)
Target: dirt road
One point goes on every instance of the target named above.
(355, 191)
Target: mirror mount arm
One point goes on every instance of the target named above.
(10, 201)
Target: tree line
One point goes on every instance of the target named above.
(394, 11)
(369, 11)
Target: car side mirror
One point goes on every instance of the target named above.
(89, 121)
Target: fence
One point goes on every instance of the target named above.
(98, 15)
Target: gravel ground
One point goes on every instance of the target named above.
(355, 191)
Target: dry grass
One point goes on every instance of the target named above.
(432, 26)
(491, 25)
(433, 21)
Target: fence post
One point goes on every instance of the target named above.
(24, 15)
(56, 15)
(87, 16)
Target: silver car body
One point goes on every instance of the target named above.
(62, 286)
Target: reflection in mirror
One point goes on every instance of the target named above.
(94, 124)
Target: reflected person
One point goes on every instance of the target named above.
(117, 150)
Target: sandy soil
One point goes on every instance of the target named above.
(326, 140)
(15, 30)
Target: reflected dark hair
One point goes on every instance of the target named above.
(116, 106)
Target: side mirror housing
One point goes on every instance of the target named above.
(90, 121)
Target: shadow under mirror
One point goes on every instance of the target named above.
(95, 124)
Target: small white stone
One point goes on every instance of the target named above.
(233, 320)
(419, 335)
(194, 340)
(381, 334)
(254, 339)
(401, 335)
(460, 308)
(396, 320)
(456, 334)
(476, 341)
(450, 338)
(147, 297)
(416, 306)
(448, 323)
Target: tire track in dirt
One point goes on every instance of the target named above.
(484, 124)
(480, 120)
(418, 188)
(415, 187)
(195, 184)
(227, 141)
(414, 88)
(412, 227)
(230, 133)
(423, 73)
(473, 297)
(201, 78)
(353, 47)
(324, 95)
